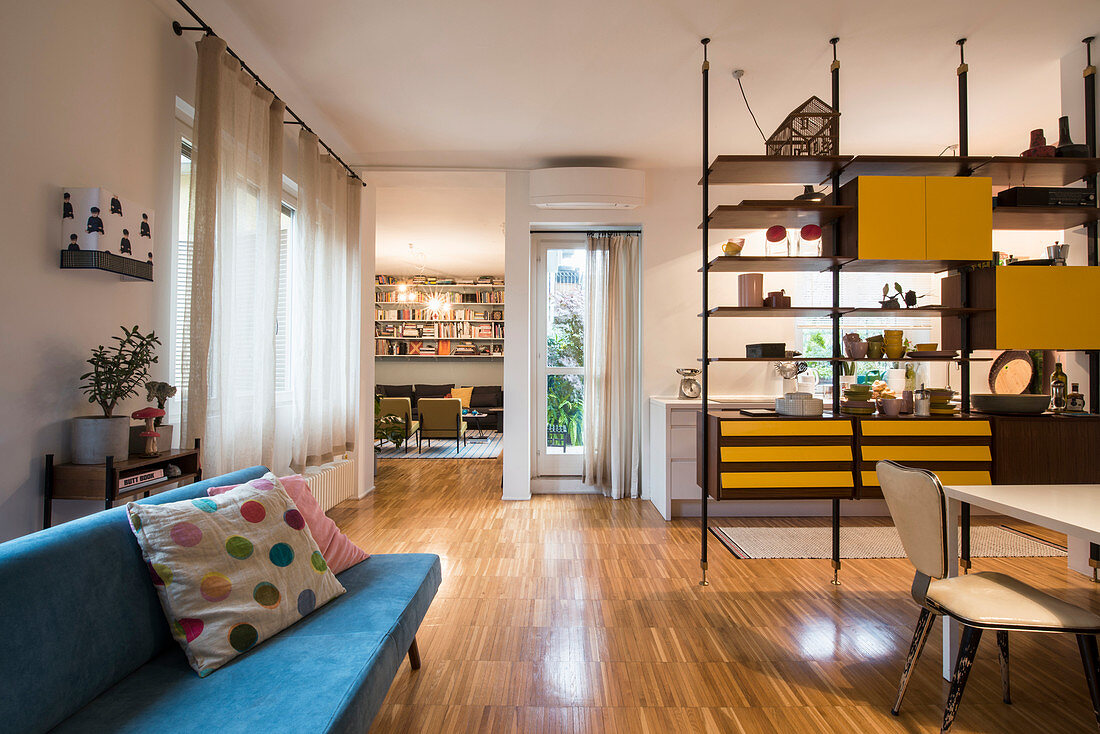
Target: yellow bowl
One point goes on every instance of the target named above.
(927, 347)
(894, 351)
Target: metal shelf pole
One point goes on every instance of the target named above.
(704, 485)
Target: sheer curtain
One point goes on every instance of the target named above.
(612, 365)
(325, 308)
(235, 204)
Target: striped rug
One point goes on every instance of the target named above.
(986, 541)
(445, 449)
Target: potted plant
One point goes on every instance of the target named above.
(158, 392)
(116, 372)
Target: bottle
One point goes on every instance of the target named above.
(1075, 401)
(1058, 389)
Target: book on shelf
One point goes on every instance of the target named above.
(137, 478)
(385, 280)
(466, 348)
(443, 347)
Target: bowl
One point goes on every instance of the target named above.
(890, 406)
(1011, 404)
(894, 351)
(927, 347)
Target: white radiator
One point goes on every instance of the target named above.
(333, 483)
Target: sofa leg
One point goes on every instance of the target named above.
(414, 656)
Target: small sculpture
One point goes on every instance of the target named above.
(145, 231)
(1039, 147)
(149, 415)
(66, 207)
(160, 392)
(73, 244)
(116, 206)
(172, 471)
(1066, 147)
(124, 243)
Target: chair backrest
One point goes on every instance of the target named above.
(439, 414)
(80, 611)
(400, 407)
(919, 507)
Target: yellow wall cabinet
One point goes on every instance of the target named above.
(918, 218)
(1034, 307)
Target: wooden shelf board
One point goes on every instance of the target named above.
(1017, 171)
(774, 169)
(761, 264)
(1043, 217)
(423, 304)
(441, 338)
(846, 359)
(131, 462)
(439, 321)
(440, 285)
(764, 214)
(909, 165)
(908, 266)
(764, 311)
(439, 356)
(928, 310)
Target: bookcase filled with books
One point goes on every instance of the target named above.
(434, 317)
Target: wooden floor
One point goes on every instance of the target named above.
(576, 613)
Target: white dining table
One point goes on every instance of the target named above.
(1073, 509)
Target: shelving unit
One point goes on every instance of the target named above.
(109, 262)
(100, 482)
(485, 335)
(836, 170)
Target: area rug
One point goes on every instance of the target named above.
(445, 449)
(986, 541)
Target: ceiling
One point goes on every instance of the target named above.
(439, 223)
(524, 83)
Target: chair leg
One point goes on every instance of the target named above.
(968, 646)
(1002, 654)
(414, 656)
(1091, 660)
(920, 636)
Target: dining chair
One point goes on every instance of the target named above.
(441, 418)
(401, 408)
(979, 601)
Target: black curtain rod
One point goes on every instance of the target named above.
(202, 26)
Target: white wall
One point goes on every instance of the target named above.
(89, 97)
(460, 372)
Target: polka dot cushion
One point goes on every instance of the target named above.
(232, 570)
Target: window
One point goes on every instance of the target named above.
(814, 337)
(181, 300)
(282, 305)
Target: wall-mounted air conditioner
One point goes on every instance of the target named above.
(587, 188)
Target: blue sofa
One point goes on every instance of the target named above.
(85, 646)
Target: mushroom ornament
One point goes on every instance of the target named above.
(149, 434)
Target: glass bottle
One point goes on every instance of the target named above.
(1075, 401)
(1059, 388)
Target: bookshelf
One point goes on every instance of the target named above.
(422, 317)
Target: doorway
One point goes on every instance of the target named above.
(559, 355)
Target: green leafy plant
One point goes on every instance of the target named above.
(159, 392)
(117, 370)
(565, 408)
(388, 427)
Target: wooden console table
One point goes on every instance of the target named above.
(100, 481)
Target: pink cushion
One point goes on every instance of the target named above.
(339, 552)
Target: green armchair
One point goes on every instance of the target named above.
(401, 408)
(441, 418)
